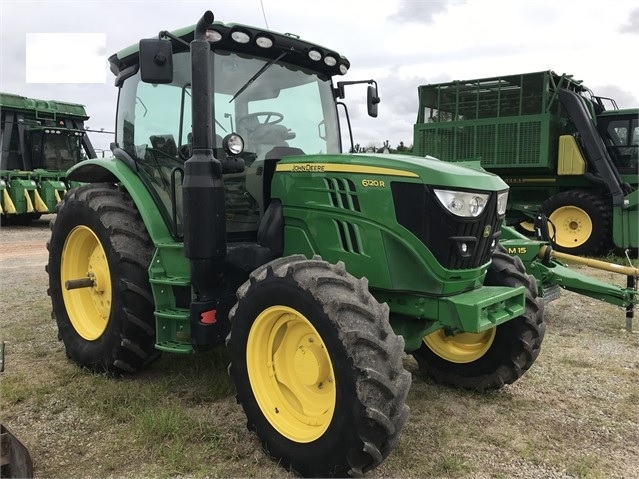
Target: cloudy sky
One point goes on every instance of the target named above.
(399, 43)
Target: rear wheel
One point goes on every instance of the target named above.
(526, 228)
(496, 357)
(99, 238)
(579, 222)
(317, 368)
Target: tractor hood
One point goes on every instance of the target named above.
(359, 208)
(430, 170)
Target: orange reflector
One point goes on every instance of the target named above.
(208, 317)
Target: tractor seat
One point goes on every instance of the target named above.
(265, 137)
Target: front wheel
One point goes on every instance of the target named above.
(317, 368)
(99, 253)
(496, 357)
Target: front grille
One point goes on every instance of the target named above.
(418, 210)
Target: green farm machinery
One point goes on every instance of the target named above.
(39, 141)
(229, 216)
(556, 145)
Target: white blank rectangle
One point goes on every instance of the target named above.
(66, 58)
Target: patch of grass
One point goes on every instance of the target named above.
(585, 467)
(172, 421)
(576, 362)
(172, 455)
(450, 465)
(13, 390)
(537, 451)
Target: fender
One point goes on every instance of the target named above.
(117, 171)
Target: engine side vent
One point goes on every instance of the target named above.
(348, 234)
(343, 194)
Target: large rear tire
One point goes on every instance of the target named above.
(496, 357)
(317, 368)
(579, 222)
(108, 325)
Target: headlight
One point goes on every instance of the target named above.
(502, 199)
(314, 55)
(462, 203)
(330, 61)
(213, 36)
(233, 144)
(240, 36)
(263, 41)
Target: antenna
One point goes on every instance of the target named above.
(264, 14)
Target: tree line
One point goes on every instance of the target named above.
(385, 148)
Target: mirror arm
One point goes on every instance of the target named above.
(165, 34)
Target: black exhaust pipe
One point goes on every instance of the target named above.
(203, 197)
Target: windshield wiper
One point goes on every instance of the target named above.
(257, 75)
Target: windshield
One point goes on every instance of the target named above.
(622, 139)
(60, 150)
(284, 106)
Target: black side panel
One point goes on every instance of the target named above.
(270, 160)
(16, 154)
(271, 230)
(595, 149)
(26, 150)
(6, 162)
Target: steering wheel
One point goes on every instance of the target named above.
(252, 120)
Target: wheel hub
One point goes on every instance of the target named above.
(460, 348)
(570, 226)
(311, 364)
(88, 308)
(291, 374)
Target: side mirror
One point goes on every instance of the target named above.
(372, 100)
(156, 60)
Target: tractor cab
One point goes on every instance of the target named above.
(272, 96)
(619, 130)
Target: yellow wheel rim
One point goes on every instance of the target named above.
(88, 308)
(461, 348)
(572, 224)
(291, 374)
(527, 226)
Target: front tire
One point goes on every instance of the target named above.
(108, 325)
(496, 357)
(317, 368)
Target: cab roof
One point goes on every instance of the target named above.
(296, 48)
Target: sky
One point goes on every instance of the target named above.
(399, 43)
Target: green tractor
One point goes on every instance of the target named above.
(228, 215)
(39, 141)
(554, 143)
